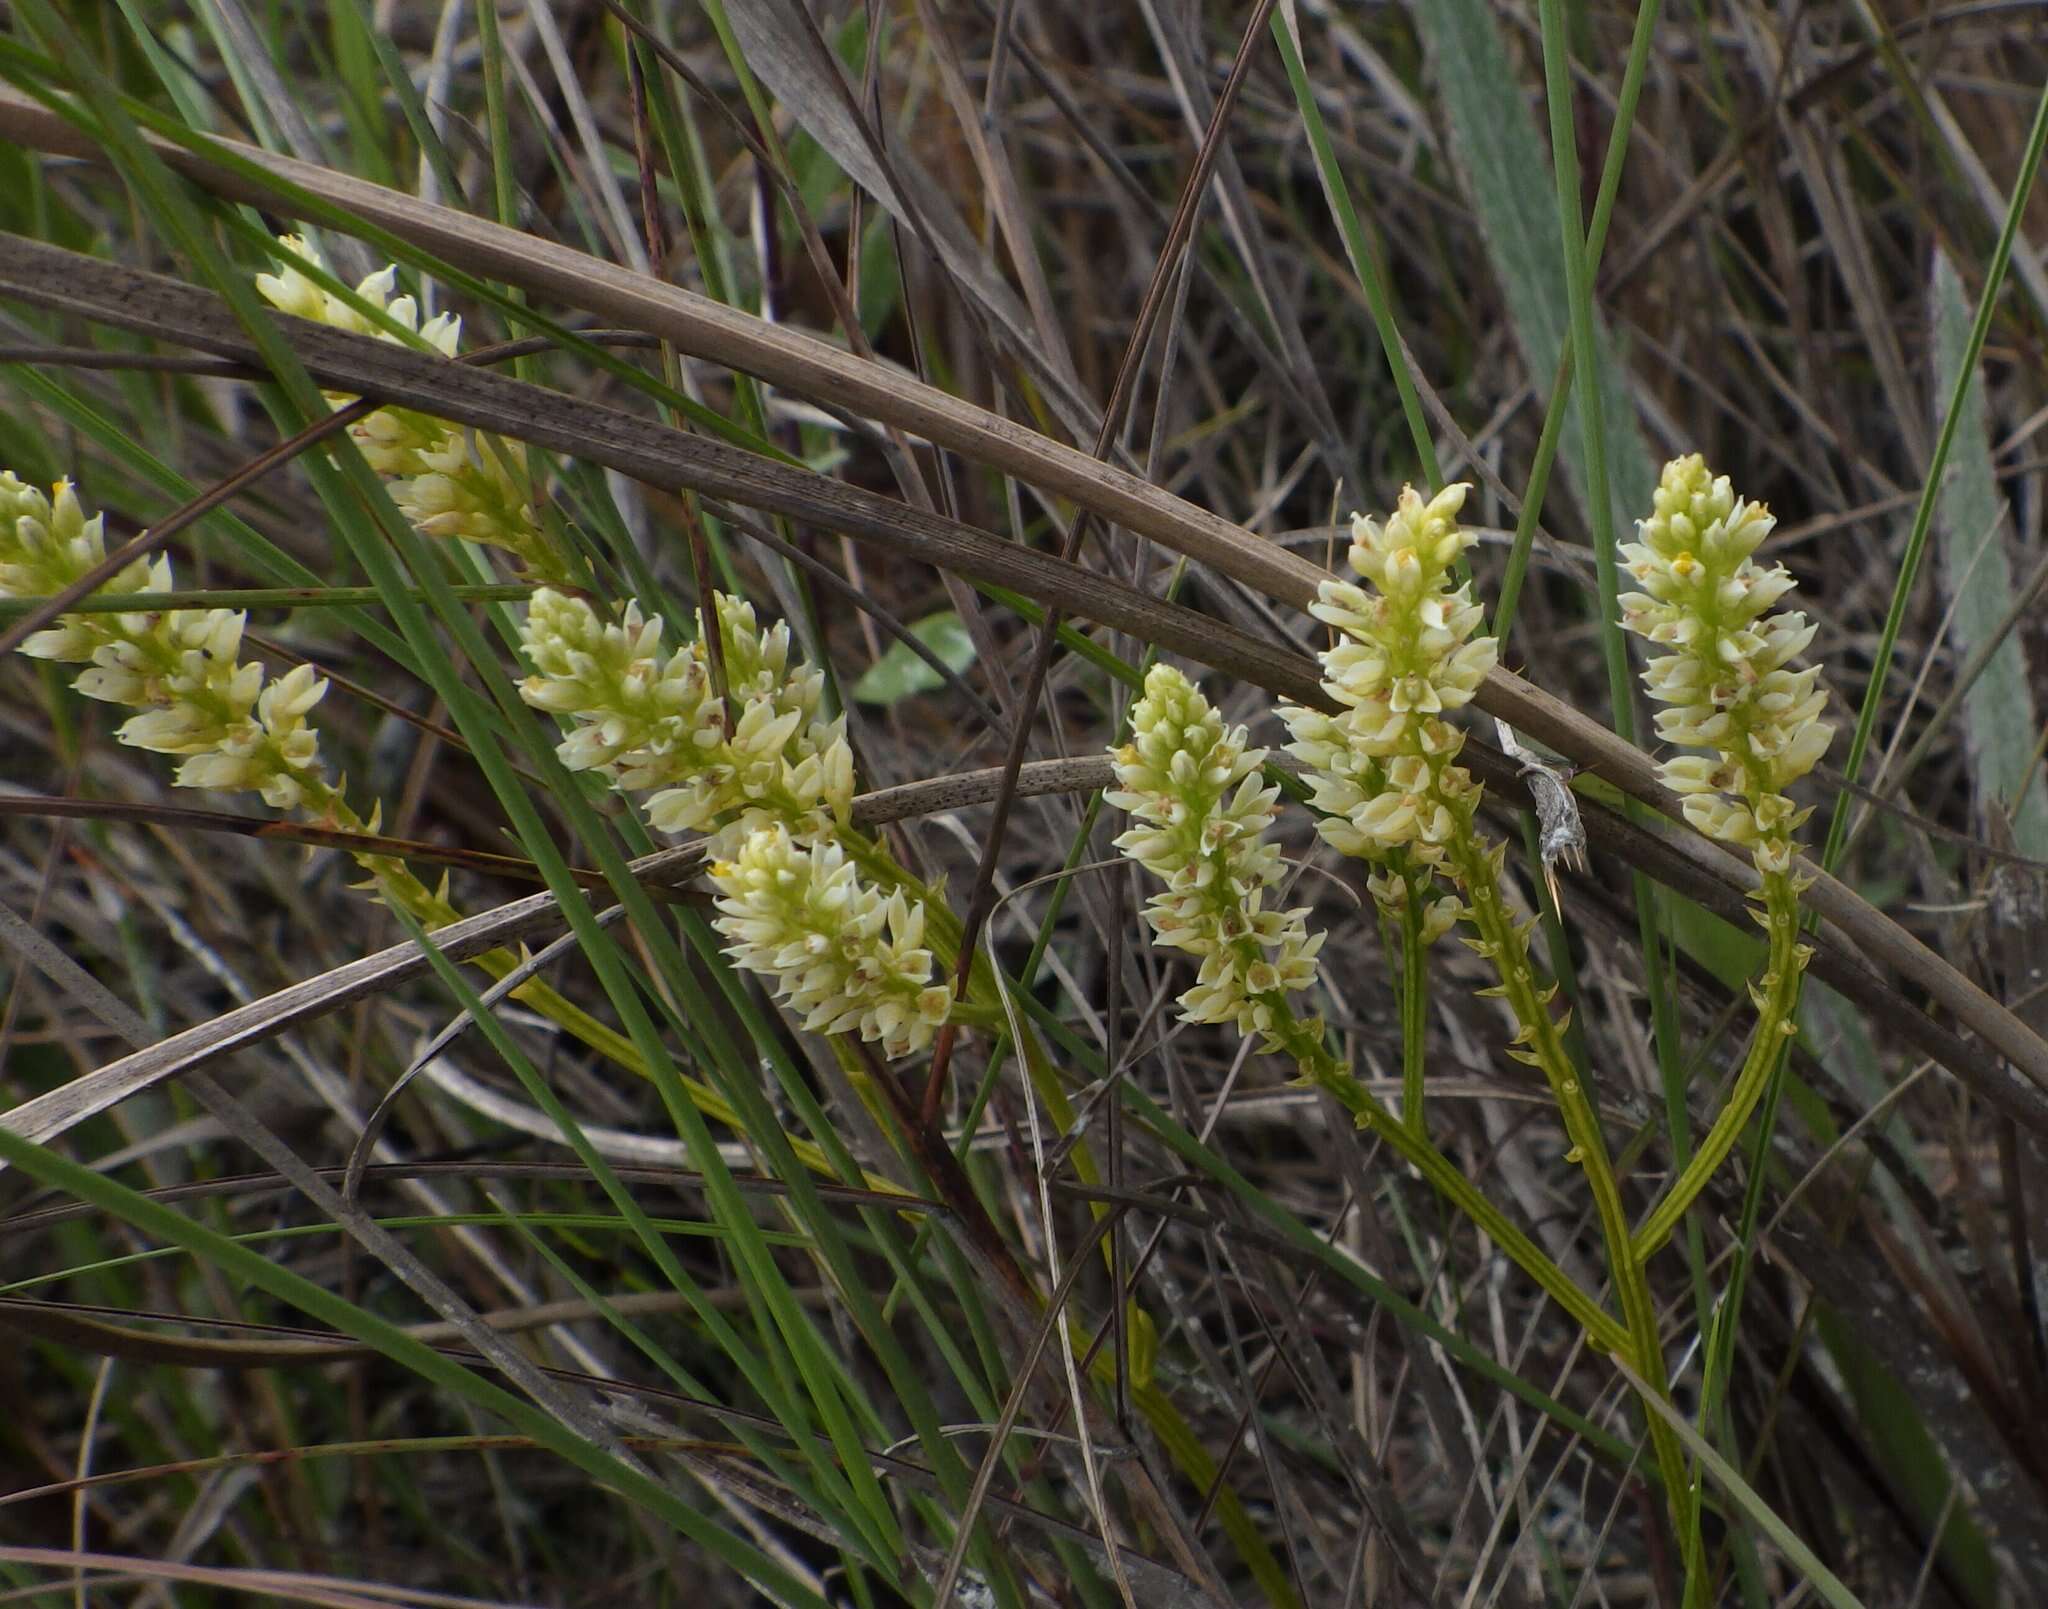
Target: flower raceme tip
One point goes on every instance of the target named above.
(1407, 654)
(446, 481)
(844, 956)
(1727, 683)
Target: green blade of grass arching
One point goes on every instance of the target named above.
(1965, 365)
(1365, 261)
(248, 1267)
(1962, 368)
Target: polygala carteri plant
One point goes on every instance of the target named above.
(1383, 771)
(740, 747)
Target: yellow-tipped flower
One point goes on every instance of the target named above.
(1382, 766)
(841, 954)
(1727, 685)
(1202, 809)
(448, 481)
(177, 666)
(649, 718)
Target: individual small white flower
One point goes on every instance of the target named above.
(178, 667)
(1202, 808)
(1727, 685)
(1390, 892)
(449, 482)
(841, 955)
(650, 719)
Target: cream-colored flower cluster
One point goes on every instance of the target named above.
(1202, 810)
(1727, 684)
(650, 718)
(844, 956)
(770, 778)
(1383, 767)
(449, 482)
(236, 731)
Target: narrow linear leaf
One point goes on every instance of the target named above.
(2000, 723)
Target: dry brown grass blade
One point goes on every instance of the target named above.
(724, 335)
(662, 456)
(656, 454)
(184, 819)
(46, 1116)
(90, 1332)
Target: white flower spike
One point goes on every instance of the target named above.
(178, 667)
(1727, 683)
(843, 956)
(1202, 810)
(649, 718)
(1382, 768)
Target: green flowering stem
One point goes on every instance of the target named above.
(1414, 1001)
(1303, 1043)
(1777, 999)
(1506, 943)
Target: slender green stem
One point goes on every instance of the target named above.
(1477, 869)
(1365, 262)
(1414, 1002)
(1776, 1001)
(1923, 513)
(1303, 1043)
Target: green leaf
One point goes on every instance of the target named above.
(1971, 528)
(902, 671)
(1501, 152)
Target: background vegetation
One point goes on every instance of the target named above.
(1109, 285)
